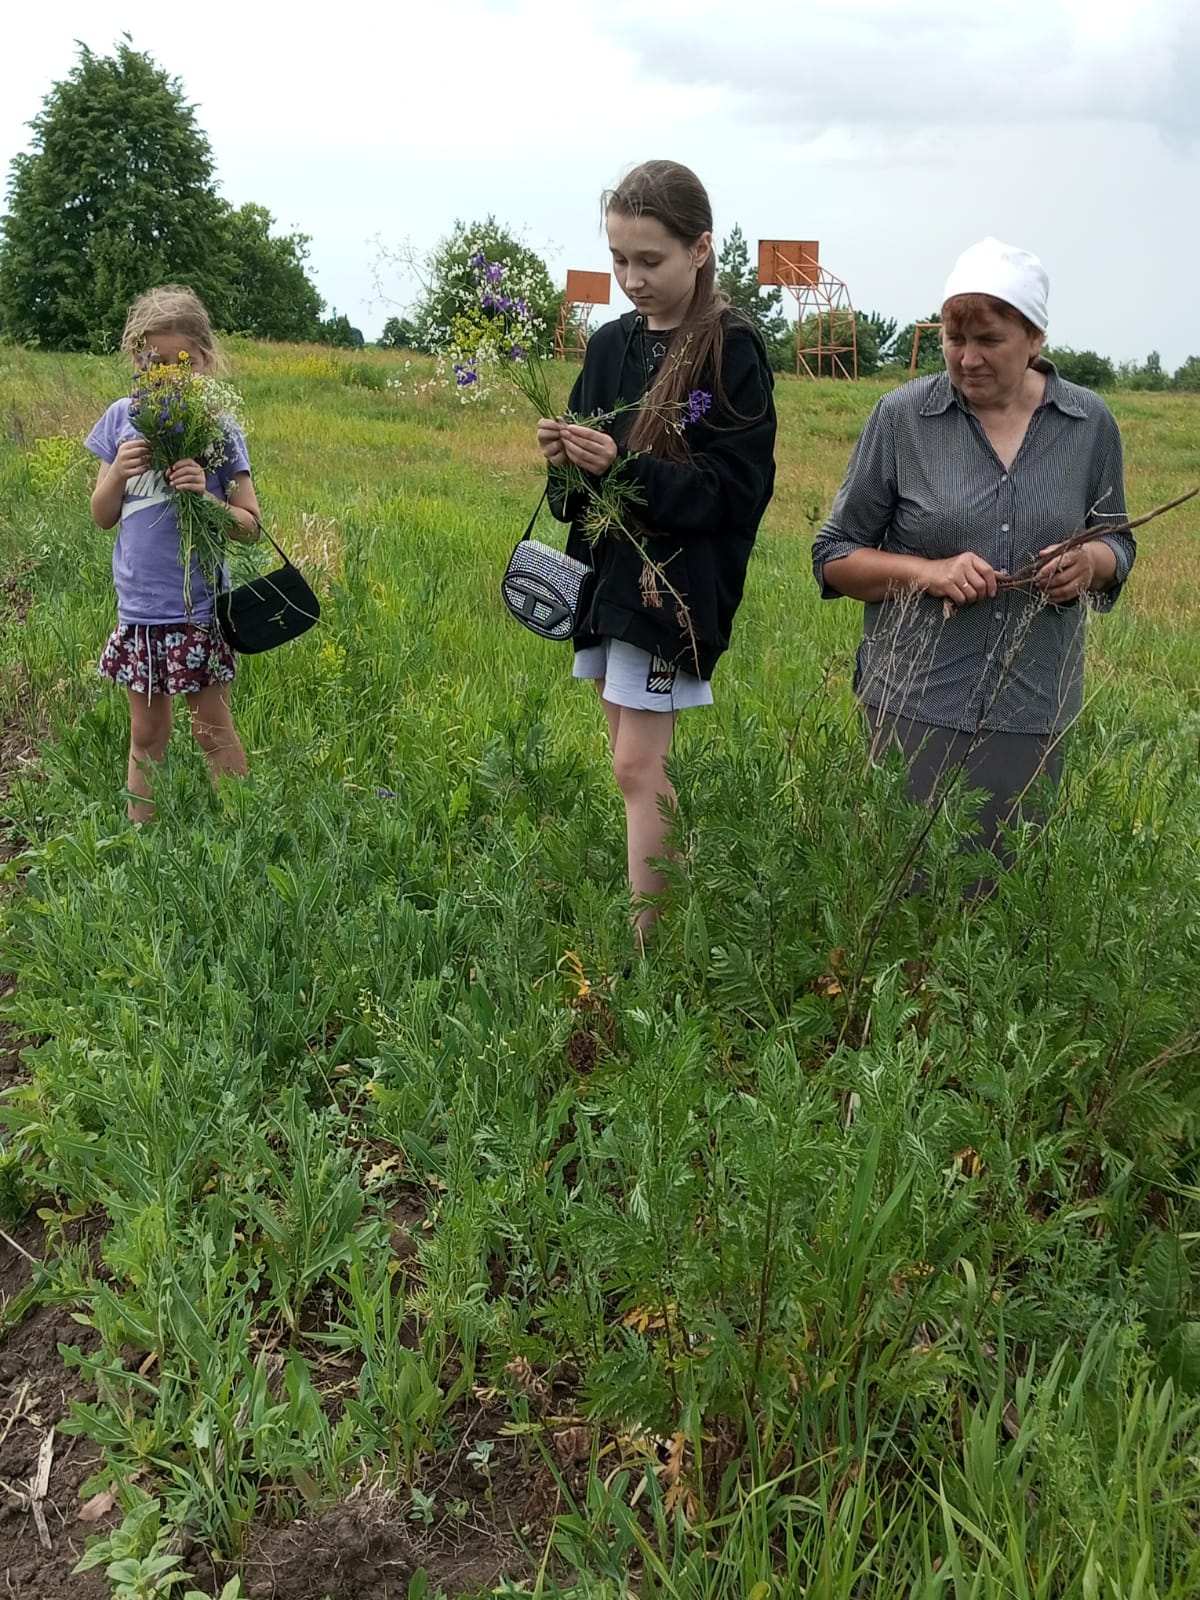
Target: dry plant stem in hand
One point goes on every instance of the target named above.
(1027, 577)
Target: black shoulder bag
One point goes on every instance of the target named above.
(546, 589)
(268, 611)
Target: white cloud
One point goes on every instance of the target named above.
(895, 133)
(928, 62)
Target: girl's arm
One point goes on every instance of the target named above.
(132, 459)
(565, 505)
(243, 502)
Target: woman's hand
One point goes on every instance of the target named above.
(960, 579)
(188, 477)
(132, 459)
(550, 441)
(1087, 568)
(588, 448)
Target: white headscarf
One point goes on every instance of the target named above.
(1006, 273)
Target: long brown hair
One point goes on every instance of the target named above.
(171, 308)
(674, 196)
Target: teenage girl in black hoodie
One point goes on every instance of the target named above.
(700, 455)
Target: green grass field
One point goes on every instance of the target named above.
(395, 1245)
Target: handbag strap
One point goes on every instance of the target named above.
(528, 534)
(225, 587)
(280, 553)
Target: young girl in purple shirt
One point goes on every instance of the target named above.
(161, 647)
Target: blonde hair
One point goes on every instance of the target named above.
(171, 308)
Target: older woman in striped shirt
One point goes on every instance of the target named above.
(955, 481)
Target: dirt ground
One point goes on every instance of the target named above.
(37, 1554)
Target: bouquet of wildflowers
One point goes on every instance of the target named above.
(183, 415)
(498, 332)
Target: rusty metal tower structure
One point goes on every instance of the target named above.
(584, 291)
(822, 302)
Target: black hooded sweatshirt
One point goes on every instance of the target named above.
(697, 519)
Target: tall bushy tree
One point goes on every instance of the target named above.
(398, 334)
(451, 284)
(270, 294)
(338, 330)
(1149, 375)
(115, 194)
(835, 328)
(875, 333)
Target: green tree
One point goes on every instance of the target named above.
(739, 282)
(338, 330)
(1082, 366)
(873, 333)
(1150, 375)
(115, 194)
(270, 294)
(398, 334)
(1188, 375)
(451, 285)
(882, 333)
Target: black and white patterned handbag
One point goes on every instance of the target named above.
(547, 590)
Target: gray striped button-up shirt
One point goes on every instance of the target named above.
(925, 481)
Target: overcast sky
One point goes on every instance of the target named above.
(894, 131)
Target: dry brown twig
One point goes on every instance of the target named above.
(1026, 575)
(19, 1248)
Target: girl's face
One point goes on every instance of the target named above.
(654, 268)
(166, 344)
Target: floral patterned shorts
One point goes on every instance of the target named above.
(167, 658)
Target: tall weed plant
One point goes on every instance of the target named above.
(854, 1232)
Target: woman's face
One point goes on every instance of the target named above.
(988, 356)
(655, 269)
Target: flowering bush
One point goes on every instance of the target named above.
(183, 415)
(494, 327)
(451, 293)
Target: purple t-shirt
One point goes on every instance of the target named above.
(146, 566)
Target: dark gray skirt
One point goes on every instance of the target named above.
(1007, 766)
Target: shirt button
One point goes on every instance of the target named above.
(997, 616)
(1004, 477)
(1004, 527)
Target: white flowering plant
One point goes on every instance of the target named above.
(496, 328)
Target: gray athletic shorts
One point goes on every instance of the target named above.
(639, 680)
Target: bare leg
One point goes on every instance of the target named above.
(151, 719)
(641, 743)
(612, 714)
(213, 728)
